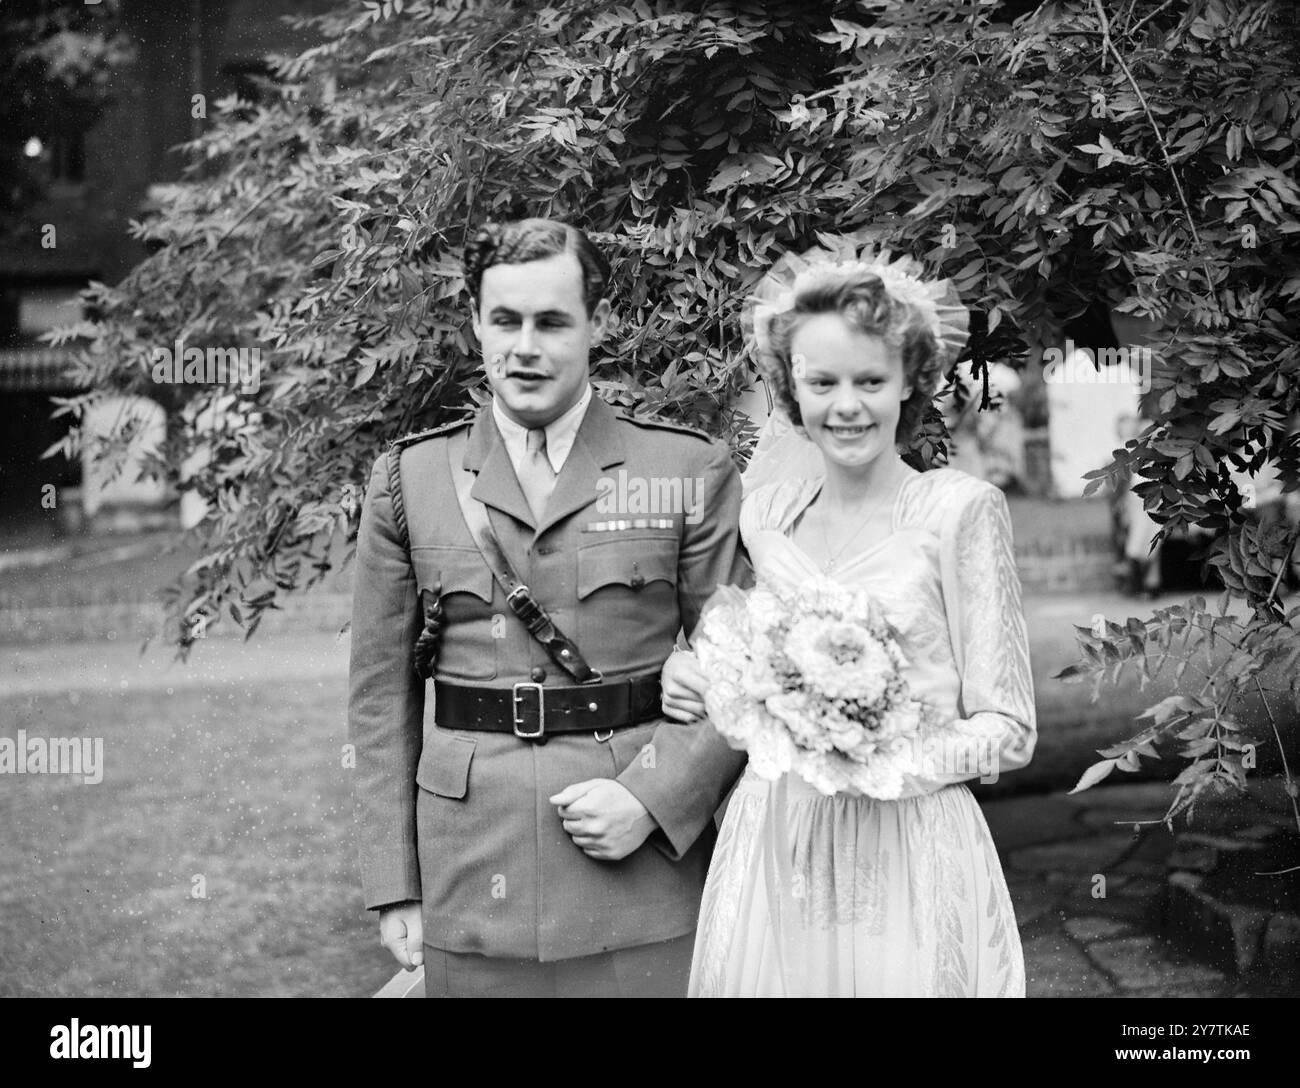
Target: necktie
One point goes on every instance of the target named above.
(536, 476)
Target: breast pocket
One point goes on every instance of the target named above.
(465, 586)
(627, 599)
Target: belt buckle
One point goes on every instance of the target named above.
(516, 699)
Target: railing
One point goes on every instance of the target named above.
(34, 370)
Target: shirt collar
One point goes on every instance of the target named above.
(561, 433)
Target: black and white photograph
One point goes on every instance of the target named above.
(648, 498)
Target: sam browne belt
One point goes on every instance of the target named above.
(533, 711)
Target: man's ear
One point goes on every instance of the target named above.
(476, 321)
(601, 321)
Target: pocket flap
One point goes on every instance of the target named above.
(631, 562)
(444, 764)
(457, 570)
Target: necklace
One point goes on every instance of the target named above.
(833, 557)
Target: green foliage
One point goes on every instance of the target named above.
(1141, 157)
(1233, 658)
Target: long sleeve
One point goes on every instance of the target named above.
(385, 701)
(694, 766)
(997, 727)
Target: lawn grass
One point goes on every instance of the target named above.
(244, 788)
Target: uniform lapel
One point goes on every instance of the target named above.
(496, 485)
(597, 447)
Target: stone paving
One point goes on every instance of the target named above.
(1088, 884)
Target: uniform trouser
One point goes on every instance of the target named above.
(661, 969)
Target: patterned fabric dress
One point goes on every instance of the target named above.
(888, 898)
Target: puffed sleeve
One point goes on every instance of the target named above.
(771, 508)
(385, 701)
(997, 726)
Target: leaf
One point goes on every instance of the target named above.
(1094, 774)
(749, 170)
(1168, 707)
(1198, 747)
(1129, 762)
(365, 372)
(1193, 773)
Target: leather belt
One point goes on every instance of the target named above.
(532, 711)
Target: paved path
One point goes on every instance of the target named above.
(1088, 888)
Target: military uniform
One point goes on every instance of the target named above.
(460, 819)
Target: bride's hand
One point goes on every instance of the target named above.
(683, 687)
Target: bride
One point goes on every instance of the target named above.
(874, 898)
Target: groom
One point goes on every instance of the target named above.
(530, 823)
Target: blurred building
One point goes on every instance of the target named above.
(99, 179)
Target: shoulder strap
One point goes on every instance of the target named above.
(395, 494)
(562, 649)
(394, 462)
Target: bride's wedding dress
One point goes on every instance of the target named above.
(887, 898)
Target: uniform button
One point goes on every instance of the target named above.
(538, 674)
(636, 581)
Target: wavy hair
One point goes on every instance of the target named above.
(865, 303)
(533, 240)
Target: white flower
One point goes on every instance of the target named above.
(839, 659)
(902, 720)
(758, 680)
(771, 754)
(794, 709)
(766, 610)
(810, 684)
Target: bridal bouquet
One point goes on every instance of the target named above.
(809, 681)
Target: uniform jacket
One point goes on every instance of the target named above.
(461, 820)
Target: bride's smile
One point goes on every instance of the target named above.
(850, 387)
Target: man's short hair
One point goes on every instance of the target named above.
(535, 240)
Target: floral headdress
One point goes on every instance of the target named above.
(783, 452)
(935, 301)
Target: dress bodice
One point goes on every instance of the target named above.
(901, 572)
(945, 578)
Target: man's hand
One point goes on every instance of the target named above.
(604, 818)
(401, 931)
